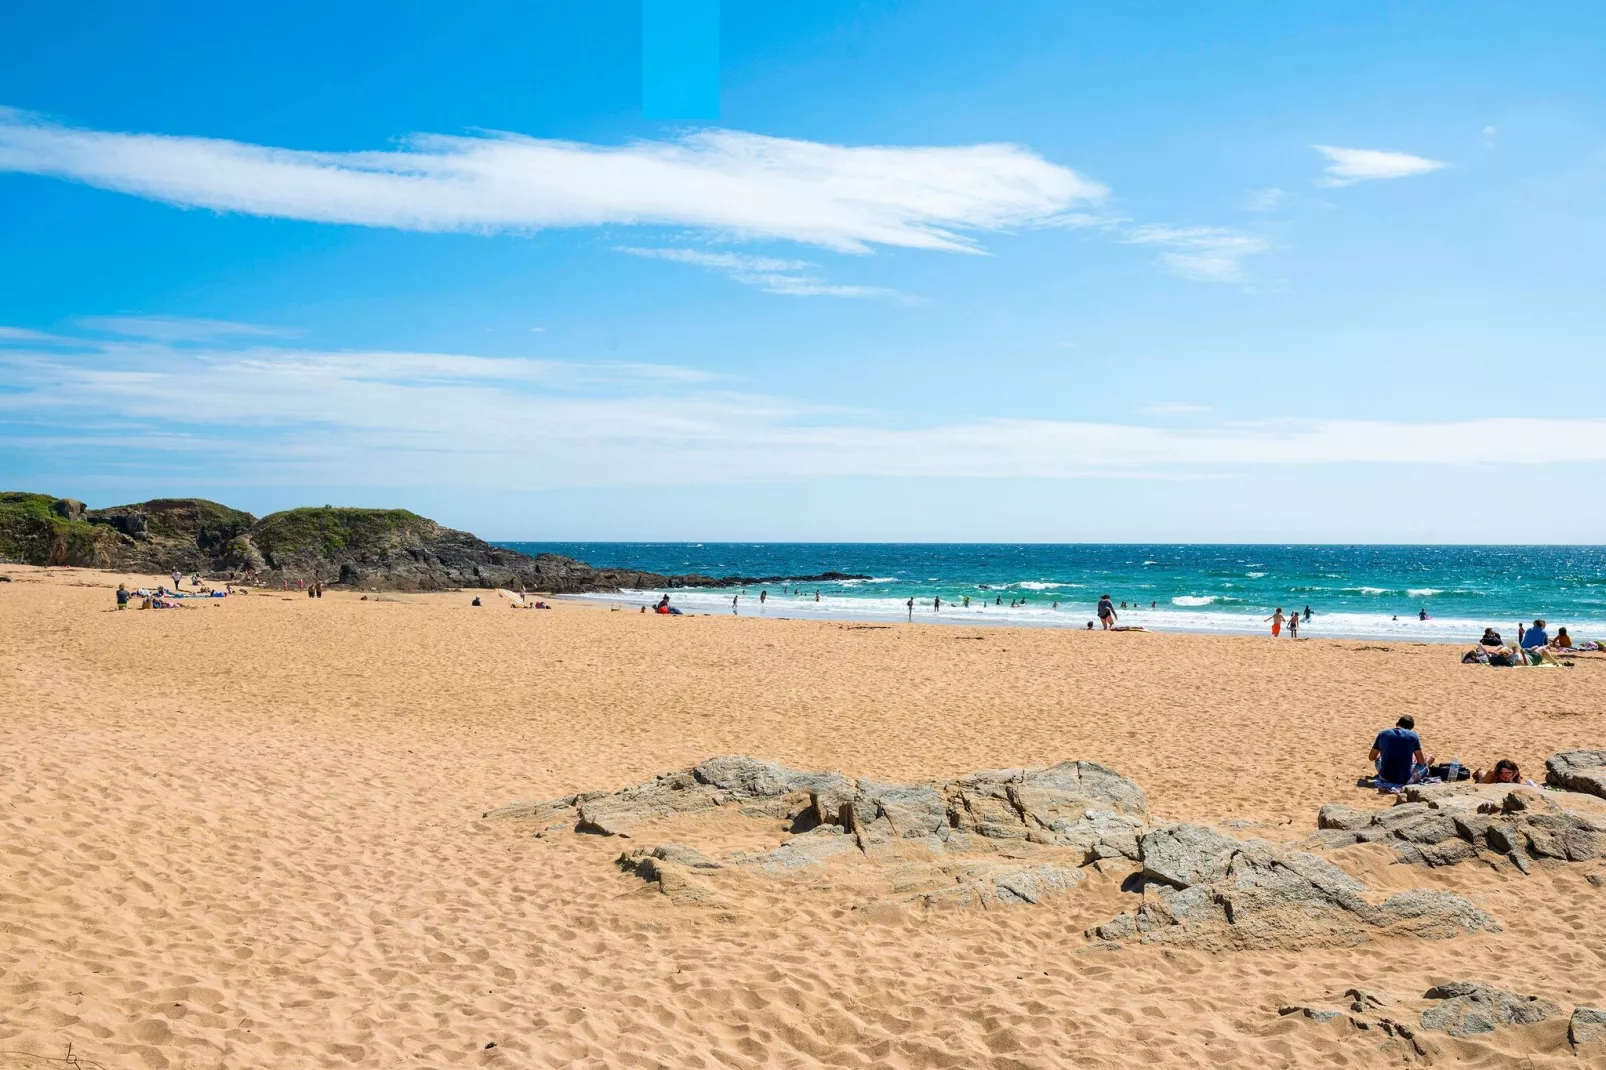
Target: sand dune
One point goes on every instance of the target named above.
(249, 834)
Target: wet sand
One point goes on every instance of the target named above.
(248, 834)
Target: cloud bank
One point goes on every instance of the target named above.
(1346, 167)
(306, 417)
(733, 183)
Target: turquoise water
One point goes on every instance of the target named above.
(1353, 591)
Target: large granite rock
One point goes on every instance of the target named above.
(1447, 824)
(1472, 1007)
(994, 838)
(1208, 890)
(1587, 1027)
(1578, 770)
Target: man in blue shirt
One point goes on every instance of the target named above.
(1535, 637)
(1398, 754)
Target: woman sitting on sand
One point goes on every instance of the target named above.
(1504, 772)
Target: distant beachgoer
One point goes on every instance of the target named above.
(999, 600)
(178, 579)
(816, 596)
(1535, 637)
(1293, 626)
(1123, 603)
(1563, 641)
(1520, 633)
(967, 601)
(734, 597)
(1089, 625)
(936, 604)
(1106, 612)
(1422, 614)
(1396, 616)
(1056, 605)
(1307, 614)
(911, 605)
(195, 579)
(122, 596)
(476, 601)
(761, 596)
(1276, 622)
(1154, 605)
(1505, 771)
(1491, 638)
(1397, 754)
(1011, 603)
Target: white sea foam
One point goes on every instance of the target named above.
(1424, 592)
(1037, 585)
(1370, 590)
(1255, 575)
(1187, 616)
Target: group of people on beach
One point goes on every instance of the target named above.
(1534, 646)
(1398, 758)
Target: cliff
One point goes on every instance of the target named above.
(370, 549)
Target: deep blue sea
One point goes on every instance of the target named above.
(1353, 591)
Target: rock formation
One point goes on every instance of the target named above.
(1206, 890)
(1472, 1007)
(1440, 825)
(992, 838)
(369, 549)
(1578, 770)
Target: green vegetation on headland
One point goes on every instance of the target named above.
(372, 549)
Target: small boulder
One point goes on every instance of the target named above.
(1472, 1007)
(1587, 1027)
(1577, 770)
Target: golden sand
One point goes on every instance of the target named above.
(248, 834)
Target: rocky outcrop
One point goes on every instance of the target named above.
(1207, 890)
(1455, 823)
(368, 549)
(1472, 1007)
(1578, 770)
(994, 838)
(1587, 1027)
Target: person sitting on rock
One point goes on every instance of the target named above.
(1504, 772)
(1397, 756)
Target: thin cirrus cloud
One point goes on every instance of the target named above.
(1204, 254)
(846, 198)
(1345, 167)
(285, 413)
(776, 275)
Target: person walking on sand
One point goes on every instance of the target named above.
(1107, 615)
(1277, 619)
(178, 578)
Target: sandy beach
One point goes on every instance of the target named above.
(249, 833)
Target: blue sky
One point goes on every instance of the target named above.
(938, 271)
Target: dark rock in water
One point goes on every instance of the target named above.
(1587, 1027)
(1463, 823)
(1472, 1007)
(1203, 889)
(990, 839)
(1578, 770)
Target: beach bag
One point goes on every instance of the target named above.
(1443, 772)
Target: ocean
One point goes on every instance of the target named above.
(1366, 592)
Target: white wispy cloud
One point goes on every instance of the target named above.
(178, 328)
(746, 185)
(797, 278)
(1205, 254)
(1174, 408)
(420, 419)
(1345, 167)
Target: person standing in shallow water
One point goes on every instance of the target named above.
(1293, 626)
(761, 596)
(936, 604)
(911, 607)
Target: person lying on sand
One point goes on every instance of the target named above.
(1504, 772)
(1397, 756)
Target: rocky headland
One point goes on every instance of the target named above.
(366, 549)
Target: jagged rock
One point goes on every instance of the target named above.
(670, 867)
(1409, 1042)
(1207, 890)
(1587, 1026)
(1472, 1007)
(1493, 822)
(1578, 770)
(993, 838)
